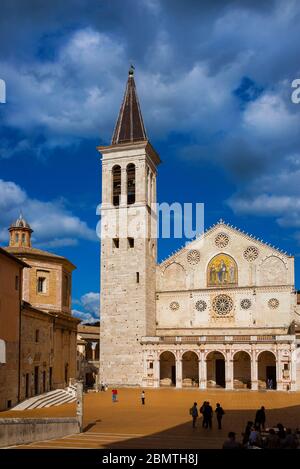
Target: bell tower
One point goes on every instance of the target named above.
(128, 244)
(20, 233)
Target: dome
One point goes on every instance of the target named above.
(20, 223)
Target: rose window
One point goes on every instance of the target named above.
(273, 303)
(221, 240)
(222, 304)
(245, 303)
(174, 305)
(193, 256)
(251, 253)
(201, 305)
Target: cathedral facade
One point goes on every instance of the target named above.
(220, 312)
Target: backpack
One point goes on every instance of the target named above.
(191, 411)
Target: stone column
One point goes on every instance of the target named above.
(279, 383)
(228, 371)
(94, 345)
(123, 187)
(156, 366)
(254, 372)
(178, 372)
(202, 371)
(293, 369)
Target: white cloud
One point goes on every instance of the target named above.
(269, 116)
(90, 304)
(53, 224)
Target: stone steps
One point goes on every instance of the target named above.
(49, 399)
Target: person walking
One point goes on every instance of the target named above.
(260, 418)
(202, 409)
(207, 415)
(114, 393)
(219, 413)
(194, 414)
(143, 397)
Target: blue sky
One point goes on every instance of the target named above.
(214, 81)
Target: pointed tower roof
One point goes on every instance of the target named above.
(130, 126)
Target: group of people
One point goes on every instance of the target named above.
(256, 436)
(207, 412)
(114, 395)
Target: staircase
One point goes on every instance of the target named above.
(49, 399)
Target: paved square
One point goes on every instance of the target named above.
(164, 421)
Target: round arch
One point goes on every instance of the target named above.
(222, 271)
(215, 366)
(190, 369)
(167, 368)
(116, 184)
(241, 370)
(266, 370)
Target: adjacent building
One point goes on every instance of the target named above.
(10, 320)
(41, 326)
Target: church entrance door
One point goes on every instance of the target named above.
(220, 372)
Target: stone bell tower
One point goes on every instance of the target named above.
(128, 245)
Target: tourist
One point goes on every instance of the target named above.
(281, 432)
(255, 439)
(207, 415)
(247, 432)
(143, 397)
(290, 441)
(231, 443)
(194, 414)
(260, 418)
(219, 413)
(270, 383)
(114, 393)
(272, 440)
(202, 408)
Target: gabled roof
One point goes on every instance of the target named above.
(130, 126)
(221, 223)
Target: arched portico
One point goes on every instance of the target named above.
(167, 369)
(215, 362)
(190, 369)
(241, 370)
(266, 370)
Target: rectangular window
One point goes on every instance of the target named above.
(286, 366)
(42, 287)
(137, 277)
(116, 243)
(9, 404)
(17, 282)
(37, 335)
(23, 239)
(151, 365)
(130, 243)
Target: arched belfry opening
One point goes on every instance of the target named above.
(130, 170)
(116, 183)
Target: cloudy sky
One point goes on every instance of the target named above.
(214, 81)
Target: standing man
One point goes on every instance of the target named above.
(260, 418)
(143, 397)
(219, 413)
(194, 414)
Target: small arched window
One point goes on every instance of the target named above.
(116, 181)
(130, 184)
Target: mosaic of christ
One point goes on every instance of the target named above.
(222, 271)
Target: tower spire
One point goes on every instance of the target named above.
(130, 126)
